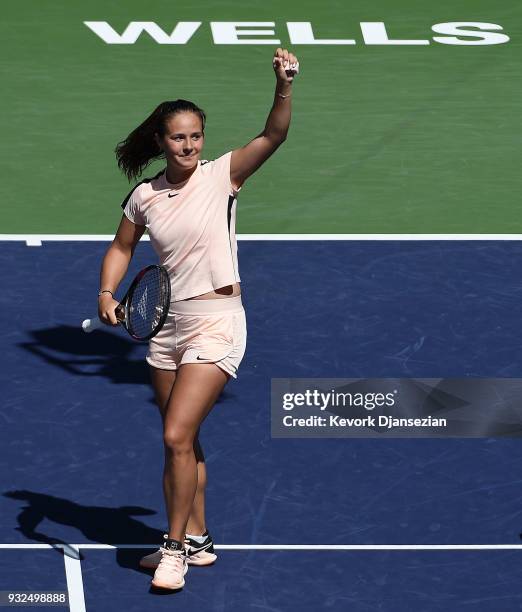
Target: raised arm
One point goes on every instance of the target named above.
(246, 160)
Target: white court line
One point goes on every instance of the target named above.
(288, 546)
(73, 573)
(73, 569)
(36, 239)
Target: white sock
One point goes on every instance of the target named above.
(199, 539)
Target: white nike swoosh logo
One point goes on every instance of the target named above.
(191, 550)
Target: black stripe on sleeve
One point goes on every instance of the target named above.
(145, 180)
(231, 199)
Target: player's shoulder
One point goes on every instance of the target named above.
(209, 166)
(138, 191)
(206, 165)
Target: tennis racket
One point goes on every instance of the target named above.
(144, 308)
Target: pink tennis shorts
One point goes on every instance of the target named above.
(201, 331)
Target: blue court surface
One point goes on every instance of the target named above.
(82, 452)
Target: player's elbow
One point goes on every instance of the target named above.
(276, 138)
(124, 248)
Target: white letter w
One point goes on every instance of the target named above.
(180, 35)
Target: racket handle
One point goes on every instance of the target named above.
(91, 324)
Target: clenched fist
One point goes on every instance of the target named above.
(285, 65)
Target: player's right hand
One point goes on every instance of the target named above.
(106, 309)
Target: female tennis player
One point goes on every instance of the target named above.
(189, 210)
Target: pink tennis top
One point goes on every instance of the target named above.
(192, 228)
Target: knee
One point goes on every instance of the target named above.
(178, 442)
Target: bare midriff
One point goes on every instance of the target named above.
(222, 292)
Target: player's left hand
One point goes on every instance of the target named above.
(285, 65)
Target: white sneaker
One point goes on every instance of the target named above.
(171, 569)
(197, 554)
(200, 553)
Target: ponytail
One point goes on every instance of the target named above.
(136, 152)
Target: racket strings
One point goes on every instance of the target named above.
(149, 303)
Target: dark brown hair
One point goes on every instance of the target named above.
(136, 152)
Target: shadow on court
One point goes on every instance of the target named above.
(100, 353)
(98, 524)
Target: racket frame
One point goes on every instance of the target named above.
(122, 310)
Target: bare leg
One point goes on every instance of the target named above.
(162, 383)
(185, 398)
(196, 389)
(196, 524)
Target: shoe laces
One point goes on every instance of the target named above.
(172, 559)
